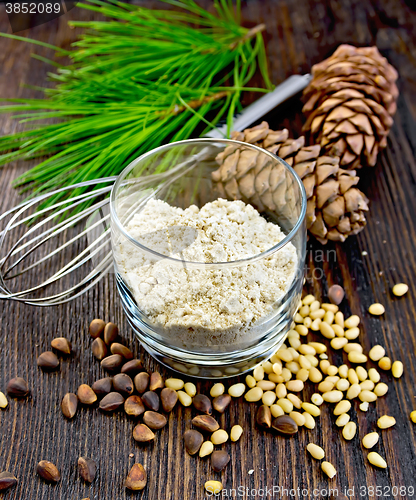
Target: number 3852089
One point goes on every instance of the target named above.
(33, 8)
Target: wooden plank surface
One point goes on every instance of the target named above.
(299, 34)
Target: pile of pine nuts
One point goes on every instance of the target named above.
(278, 382)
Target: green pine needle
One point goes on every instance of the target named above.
(135, 81)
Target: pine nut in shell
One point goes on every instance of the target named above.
(375, 459)
(349, 430)
(221, 403)
(385, 422)
(236, 432)
(316, 451)
(329, 469)
(400, 289)
(376, 309)
(219, 437)
(370, 440)
(376, 352)
(285, 425)
(397, 369)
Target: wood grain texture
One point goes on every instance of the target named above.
(299, 34)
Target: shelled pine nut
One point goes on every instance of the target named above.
(317, 399)
(342, 420)
(376, 309)
(385, 363)
(316, 451)
(353, 391)
(309, 420)
(397, 369)
(250, 382)
(277, 411)
(332, 396)
(342, 407)
(349, 430)
(329, 469)
(377, 460)
(373, 375)
(400, 289)
(370, 440)
(253, 395)
(296, 402)
(385, 422)
(376, 352)
(298, 418)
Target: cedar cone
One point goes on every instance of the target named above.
(350, 103)
(335, 208)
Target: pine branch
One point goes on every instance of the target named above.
(135, 81)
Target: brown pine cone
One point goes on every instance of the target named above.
(350, 103)
(335, 208)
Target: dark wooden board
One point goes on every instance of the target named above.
(299, 34)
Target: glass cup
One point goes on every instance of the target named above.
(206, 316)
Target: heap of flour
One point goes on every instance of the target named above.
(196, 306)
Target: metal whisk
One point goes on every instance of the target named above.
(80, 244)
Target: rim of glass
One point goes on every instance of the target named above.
(208, 265)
